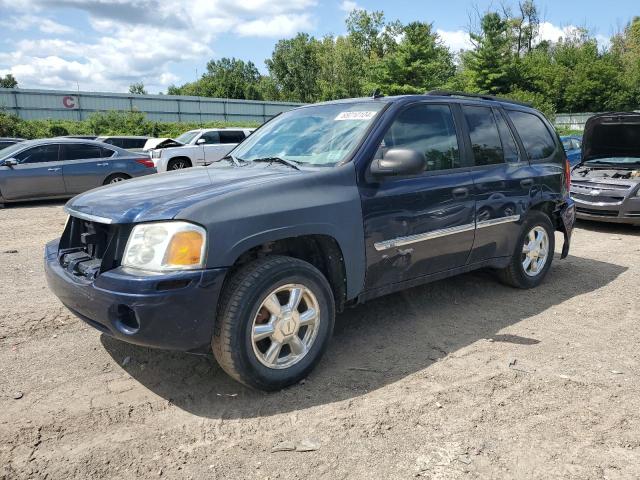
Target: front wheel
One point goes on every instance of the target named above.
(533, 254)
(275, 320)
(178, 164)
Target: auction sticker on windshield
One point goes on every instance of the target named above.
(356, 115)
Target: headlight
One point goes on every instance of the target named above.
(156, 153)
(166, 246)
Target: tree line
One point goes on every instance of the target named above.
(508, 58)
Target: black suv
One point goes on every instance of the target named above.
(323, 207)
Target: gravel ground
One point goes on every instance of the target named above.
(464, 378)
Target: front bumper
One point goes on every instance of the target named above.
(626, 211)
(173, 311)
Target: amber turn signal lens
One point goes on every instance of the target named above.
(185, 248)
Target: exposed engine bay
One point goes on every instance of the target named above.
(590, 172)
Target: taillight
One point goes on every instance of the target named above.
(147, 162)
(567, 174)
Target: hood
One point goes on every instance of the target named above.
(153, 143)
(611, 135)
(162, 196)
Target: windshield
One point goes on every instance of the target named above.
(10, 150)
(616, 160)
(186, 137)
(320, 135)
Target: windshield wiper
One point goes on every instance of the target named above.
(235, 160)
(289, 163)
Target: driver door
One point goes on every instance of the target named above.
(38, 174)
(420, 224)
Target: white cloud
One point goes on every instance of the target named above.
(126, 41)
(277, 26)
(349, 6)
(456, 40)
(29, 22)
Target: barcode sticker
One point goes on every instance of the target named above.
(356, 115)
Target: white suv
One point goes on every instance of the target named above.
(196, 147)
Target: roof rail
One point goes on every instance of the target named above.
(450, 93)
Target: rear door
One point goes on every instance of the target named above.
(227, 140)
(83, 166)
(421, 224)
(503, 179)
(37, 175)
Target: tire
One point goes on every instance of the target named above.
(515, 274)
(242, 305)
(178, 163)
(116, 178)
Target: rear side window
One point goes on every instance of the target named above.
(106, 153)
(485, 139)
(231, 136)
(43, 153)
(536, 138)
(428, 129)
(511, 153)
(80, 151)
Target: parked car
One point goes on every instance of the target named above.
(323, 207)
(61, 168)
(573, 147)
(606, 183)
(8, 141)
(197, 147)
(131, 143)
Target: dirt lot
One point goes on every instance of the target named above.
(464, 378)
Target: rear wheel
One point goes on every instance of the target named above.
(178, 164)
(116, 178)
(533, 254)
(274, 323)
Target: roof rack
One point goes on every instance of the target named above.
(450, 93)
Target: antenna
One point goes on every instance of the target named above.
(376, 94)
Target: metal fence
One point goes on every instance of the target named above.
(69, 105)
(573, 121)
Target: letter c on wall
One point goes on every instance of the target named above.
(69, 102)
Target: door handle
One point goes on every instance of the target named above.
(461, 192)
(528, 182)
(102, 164)
(53, 169)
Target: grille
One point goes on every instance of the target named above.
(89, 248)
(597, 198)
(599, 186)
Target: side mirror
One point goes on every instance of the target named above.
(10, 162)
(399, 162)
(200, 141)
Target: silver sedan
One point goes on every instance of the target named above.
(62, 168)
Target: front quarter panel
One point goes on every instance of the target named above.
(310, 202)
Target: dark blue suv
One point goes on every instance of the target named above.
(323, 207)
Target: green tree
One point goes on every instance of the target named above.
(8, 81)
(137, 88)
(294, 67)
(489, 64)
(420, 62)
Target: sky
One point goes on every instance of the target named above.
(105, 45)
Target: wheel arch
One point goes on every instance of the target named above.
(321, 250)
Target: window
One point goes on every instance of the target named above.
(511, 153)
(429, 129)
(106, 153)
(133, 142)
(43, 153)
(231, 136)
(210, 138)
(79, 151)
(485, 139)
(576, 144)
(535, 136)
